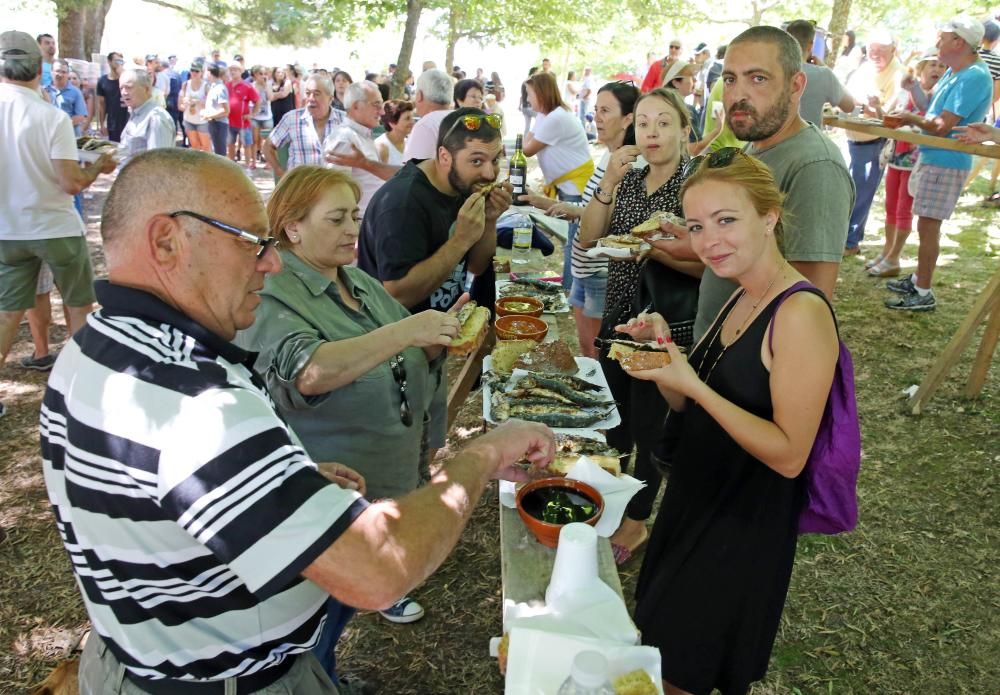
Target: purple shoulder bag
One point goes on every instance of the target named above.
(831, 472)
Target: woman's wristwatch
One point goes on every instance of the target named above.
(598, 192)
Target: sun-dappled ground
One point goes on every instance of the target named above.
(905, 604)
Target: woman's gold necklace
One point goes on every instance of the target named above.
(739, 331)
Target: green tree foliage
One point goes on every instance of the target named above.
(282, 22)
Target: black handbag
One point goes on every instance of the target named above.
(669, 292)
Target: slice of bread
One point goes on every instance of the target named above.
(506, 352)
(634, 360)
(563, 462)
(475, 321)
(635, 682)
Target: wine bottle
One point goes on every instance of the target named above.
(519, 172)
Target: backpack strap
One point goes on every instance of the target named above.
(800, 286)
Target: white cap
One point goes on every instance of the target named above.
(966, 28)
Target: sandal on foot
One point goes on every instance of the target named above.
(623, 554)
(871, 262)
(883, 270)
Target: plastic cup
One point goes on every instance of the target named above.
(576, 560)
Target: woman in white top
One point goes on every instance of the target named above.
(397, 117)
(216, 110)
(571, 88)
(192, 102)
(558, 138)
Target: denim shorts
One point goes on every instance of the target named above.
(588, 294)
(235, 133)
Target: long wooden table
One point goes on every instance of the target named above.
(915, 137)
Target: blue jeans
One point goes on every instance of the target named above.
(574, 227)
(867, 175)
(325, 651)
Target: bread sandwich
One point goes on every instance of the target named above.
(475, 321)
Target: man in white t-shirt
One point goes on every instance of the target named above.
(432, 102)
(352, 148)
(42, 174)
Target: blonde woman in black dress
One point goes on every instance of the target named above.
(715, 575)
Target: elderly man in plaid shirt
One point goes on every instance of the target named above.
(305, 129)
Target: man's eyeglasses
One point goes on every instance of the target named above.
(717, 160)
(262, 242)
(398, 366)
(474, 121)
(675, 48)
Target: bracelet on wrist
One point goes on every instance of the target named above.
(598, 192)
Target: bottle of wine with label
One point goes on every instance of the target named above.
(519, 172)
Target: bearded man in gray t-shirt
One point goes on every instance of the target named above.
(763, 86)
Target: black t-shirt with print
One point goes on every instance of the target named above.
(406, 222)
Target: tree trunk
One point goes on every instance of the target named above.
(839, 18)
(413, 10)
(449, 53)
(94, 32)
(72, 26)
(81, 26)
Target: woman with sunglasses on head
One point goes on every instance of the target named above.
(746, 404)
(192, 102)
(627, 196)
(350, 369)
(559, 140)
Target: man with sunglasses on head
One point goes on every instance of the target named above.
(762, 87)
(112, 114)
(204, 539)
(434, 222)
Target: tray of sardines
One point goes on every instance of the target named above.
(551, 294)
(561, 401)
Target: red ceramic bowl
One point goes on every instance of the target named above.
(546, 533)
(520, 327)
(525, 306)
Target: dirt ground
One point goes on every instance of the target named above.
(905, 604)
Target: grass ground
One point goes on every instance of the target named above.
(906, 604)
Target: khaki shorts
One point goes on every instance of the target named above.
(102, 674)
(21, 263)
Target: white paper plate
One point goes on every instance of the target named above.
(585, 366)
(609, 252)
(538, 661)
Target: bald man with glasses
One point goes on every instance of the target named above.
(205, 540)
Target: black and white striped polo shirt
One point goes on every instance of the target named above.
(188, 508)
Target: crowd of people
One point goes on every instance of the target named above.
(190, 424)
